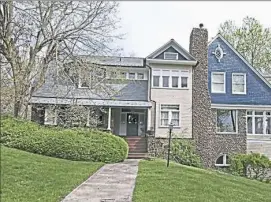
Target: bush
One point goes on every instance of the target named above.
(184, 152)
(73, 144)
(252, 165)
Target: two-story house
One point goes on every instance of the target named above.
(241, 100)
(210, 94)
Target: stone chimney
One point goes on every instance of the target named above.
(203, 128)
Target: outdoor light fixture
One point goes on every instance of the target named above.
(169, 140)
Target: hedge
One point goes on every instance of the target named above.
(72, 144)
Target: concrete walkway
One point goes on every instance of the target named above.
(111, 183)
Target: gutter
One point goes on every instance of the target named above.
(149, 90)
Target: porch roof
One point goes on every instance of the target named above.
(89, 102)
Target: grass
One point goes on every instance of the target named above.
(157, 183)
(27, 177)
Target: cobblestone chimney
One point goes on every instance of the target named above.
(203, 119)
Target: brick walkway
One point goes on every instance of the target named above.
(111, 183)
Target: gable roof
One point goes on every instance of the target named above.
(241, 57)
(176, 46)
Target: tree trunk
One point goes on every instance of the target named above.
(17, 107)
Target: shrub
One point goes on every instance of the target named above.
(184, 152)
(77, 144)
(253, 165)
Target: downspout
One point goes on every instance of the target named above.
(150, 77)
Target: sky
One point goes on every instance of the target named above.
(150, 24)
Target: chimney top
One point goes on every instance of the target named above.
(201, 25)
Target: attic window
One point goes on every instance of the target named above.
(170, 56)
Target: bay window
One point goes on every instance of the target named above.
(218, 82)
(226, 121)
(259, 122)
(169, 114)
(238, 83)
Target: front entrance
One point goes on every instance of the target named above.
(132, 124)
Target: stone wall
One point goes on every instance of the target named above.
(157, 147)
(231, 143)
(203, 128)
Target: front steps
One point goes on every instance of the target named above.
(137, 147)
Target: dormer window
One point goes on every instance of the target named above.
(170, 56)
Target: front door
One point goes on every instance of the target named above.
(132, 124)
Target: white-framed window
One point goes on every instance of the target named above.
(184, 81)
(170, 56)
(238, 83)
(259, 122)
(218, 82)
(177, 79)
(50, 116)
(132, 75)
(169, 114)
(222, 161)
(156, 78)
(140, 76)
(226, 121)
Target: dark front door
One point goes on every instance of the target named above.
(132, 124)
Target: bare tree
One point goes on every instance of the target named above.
(33, 33)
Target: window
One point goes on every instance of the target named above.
(259, 122)
(170, 114)
(238, 83)
(218, 82)
(170, 56)
(165, 81)
(222, 161)
(156, 80)
(175, 82)
(140, 75)
(122, 75)
(165, 76)
(170, 78)
(84, 80)
(50, 116)
(131, 75)
(226, 121)
(184, 83)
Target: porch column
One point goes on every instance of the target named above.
(149, 119)
(109, 119)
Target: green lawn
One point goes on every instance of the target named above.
(157, 183)
(27, 177)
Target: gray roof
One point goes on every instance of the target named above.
(130, 90)
(62, 87)
(115, 61)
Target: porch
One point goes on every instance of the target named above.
(123, 118)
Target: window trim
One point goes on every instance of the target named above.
(245, 83)
(236, 127)
(177, 56)
(224, 164)
(169, 115)
(224, 89)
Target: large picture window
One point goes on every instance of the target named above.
(259, 122)
(170, 114)
(218, 82)
(226, 121)
(238, 83)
